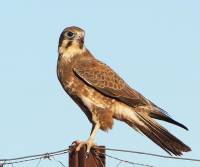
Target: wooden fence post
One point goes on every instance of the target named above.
(96, 157)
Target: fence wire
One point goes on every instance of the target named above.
(51, 156)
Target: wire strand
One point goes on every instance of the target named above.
(151, 154)
(126, 161)
(59, 162)
(97, 156)
(34, 157)
(11, 161)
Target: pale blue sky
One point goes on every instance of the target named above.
(153, 45)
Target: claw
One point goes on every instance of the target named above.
(89, 143)
(80, 145)
(75, 143)
(86, 155)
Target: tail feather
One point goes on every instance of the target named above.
(166, 118)
(159, 135)
(159, 113)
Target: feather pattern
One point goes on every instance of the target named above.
(104, 79)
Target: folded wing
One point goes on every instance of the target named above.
(105, 80)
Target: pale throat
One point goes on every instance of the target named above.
(70, 52)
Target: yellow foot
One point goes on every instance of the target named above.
(89, 143)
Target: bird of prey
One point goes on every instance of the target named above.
(103, 95)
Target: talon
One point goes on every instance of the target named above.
(89, 143)
(74, 143)
(86, 155)
(80, 145)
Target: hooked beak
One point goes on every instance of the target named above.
(81, 39)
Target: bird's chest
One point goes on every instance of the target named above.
(65, 73)
(96, 106)
(89, 97)
(90, 100)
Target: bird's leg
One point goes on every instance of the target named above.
(90, 141)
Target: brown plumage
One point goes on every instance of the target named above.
(103, 95)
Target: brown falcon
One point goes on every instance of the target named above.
(104, 96)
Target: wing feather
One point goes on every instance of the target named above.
(102, 78)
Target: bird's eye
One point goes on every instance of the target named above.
(70, 34)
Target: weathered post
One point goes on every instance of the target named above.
(96, 157)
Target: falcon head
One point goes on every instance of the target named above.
(72, 37)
